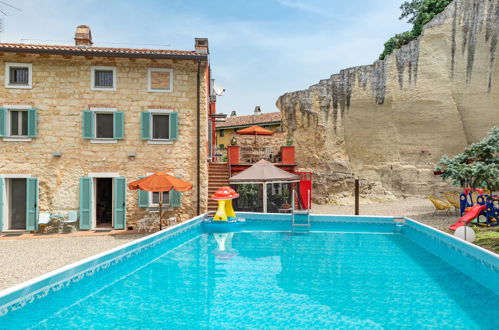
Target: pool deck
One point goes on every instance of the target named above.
(29, 255)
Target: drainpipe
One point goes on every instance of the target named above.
(198, 144)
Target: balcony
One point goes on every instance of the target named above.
(245, 156)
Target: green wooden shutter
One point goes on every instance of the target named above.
(143, 197)
(145, 125)
(31, 203)
(119, 125)
(88, 124)
(85, 203)
(173, 125)
(175, 198)
(2, 185)
(32, 123)
(3, 122)
(119, 212)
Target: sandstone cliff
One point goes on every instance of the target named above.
(389, 123)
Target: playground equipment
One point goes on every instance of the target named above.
(483, 205)
(225, 218)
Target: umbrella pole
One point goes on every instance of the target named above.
(160, 207)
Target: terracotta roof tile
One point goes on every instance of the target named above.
(99, 51)
(251, 120)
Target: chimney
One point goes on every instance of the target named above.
(83, 36)
(258, 111)
(233, 113)
(201, 45)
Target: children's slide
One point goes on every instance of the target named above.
(472, 213)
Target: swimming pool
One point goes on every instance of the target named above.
(354, 272)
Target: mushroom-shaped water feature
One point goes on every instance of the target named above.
(224, 195)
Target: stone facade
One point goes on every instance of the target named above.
(61, 89)
(390, 122)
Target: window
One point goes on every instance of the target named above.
(221, 133)
(103, 78)
(159, 80)
(17, 75)
(155, 198)
(159, 126)
(103, 125)
(18, 121)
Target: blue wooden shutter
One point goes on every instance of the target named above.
(173, 125)
(88, 124)
(32, 123)
(143, 197)
(119, 125)
(145, 125)
(85, 203)
(2, 185)
(119, 212)
(3, 122)
(31, 203)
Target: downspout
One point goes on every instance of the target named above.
(198, 144)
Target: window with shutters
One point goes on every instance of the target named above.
(103, 78)
(103, 125)
(159, 80)
(18, 75)
(159, 126)
(18, 122)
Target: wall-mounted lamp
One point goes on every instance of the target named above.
(132, 155)
(57, 154)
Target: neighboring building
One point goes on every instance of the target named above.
(227, 129)
(78, 123)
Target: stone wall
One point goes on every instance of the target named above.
(390, 122)
(61, 90)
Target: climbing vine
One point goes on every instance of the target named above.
(418, 13)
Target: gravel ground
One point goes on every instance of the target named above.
(25, 259)
(419, 209)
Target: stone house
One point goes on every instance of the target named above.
(227, 129)
(78, 123)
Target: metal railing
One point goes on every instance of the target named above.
(252, 154)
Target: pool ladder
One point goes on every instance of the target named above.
(294, 213)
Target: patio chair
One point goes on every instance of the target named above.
(453, 199)
(70, 221)
(440, 204)
(44, 220)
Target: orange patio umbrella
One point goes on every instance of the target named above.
(255, 130)
(160, 182)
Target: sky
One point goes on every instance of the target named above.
(259, 49)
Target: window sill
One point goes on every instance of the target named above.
(18, 86)
(108, 141)
(109, 89)
(160, 90)
(17, 139)
(159, 141)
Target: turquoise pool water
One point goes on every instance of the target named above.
(351, 276)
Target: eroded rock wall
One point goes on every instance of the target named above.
(390, 122)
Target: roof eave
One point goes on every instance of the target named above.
(252, 124)
(201, 57)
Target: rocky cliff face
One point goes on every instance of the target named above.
(390, 122)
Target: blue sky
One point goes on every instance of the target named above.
(260, 49)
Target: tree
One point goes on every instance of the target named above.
(418, 13)
(477, 166)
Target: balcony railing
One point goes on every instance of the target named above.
(250, 154)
